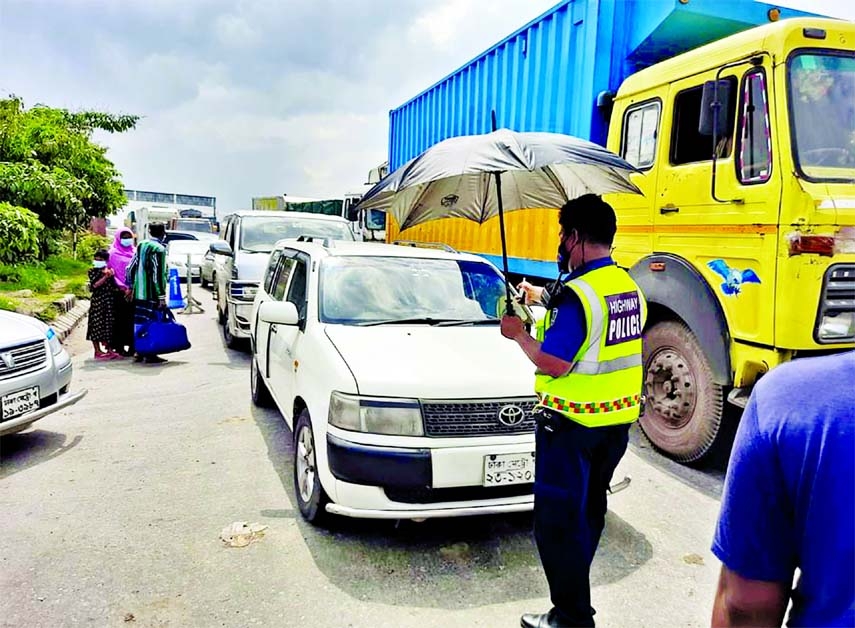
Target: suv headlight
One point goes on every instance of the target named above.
(53, 341)
(376, 415)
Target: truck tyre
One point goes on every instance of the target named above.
(311, 497)
(683, 405)
(258, 389)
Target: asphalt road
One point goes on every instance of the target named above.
(112, 511)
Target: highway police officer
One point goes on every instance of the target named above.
(588, 382)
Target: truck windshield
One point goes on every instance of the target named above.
(357, 290)
(193, 225)
(260, 233)
(822, 106)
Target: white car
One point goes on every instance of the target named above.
(388, 364)
(35, 372)
(241, 256)
(180, 252)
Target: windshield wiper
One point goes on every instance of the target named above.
(417, 320)
(472, 321)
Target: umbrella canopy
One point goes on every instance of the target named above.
(459, 177)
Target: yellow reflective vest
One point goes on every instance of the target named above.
(604, 385)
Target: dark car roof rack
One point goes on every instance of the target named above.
(324, 242)
(426, 245)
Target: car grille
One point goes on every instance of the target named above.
(456, 494)
(475, 418)
(22, 359)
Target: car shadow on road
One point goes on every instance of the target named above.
(450, 563)
(21, 451)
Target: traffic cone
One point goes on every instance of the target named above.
(174, 300)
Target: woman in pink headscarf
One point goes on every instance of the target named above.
(121, 254)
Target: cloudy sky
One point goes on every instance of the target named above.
(245, 98)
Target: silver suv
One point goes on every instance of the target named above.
(35, 372)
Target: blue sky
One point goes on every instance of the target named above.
(246, 98)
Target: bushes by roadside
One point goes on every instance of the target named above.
(88, 244)
(19, 234)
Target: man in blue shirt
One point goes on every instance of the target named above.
(789, 501)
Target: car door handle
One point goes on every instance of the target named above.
(669, 209)
(273, 329)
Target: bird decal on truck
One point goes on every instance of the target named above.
(733, 277)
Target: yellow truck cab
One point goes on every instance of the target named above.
(744, 240)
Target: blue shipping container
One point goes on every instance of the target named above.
(551, 73)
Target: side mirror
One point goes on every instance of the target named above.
(221, 247)
(715, 109)
(352, 214)
(278, 313)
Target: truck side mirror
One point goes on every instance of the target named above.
(715, 112)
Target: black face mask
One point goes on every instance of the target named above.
(563, 258)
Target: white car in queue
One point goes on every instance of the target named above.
(387, 363)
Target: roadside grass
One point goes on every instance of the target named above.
(32, 288)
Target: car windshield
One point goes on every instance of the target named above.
(260, 233)
(357, 290)
(822, 106)
(184, 247)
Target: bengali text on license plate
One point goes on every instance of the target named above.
(20, 402)
(502, 469)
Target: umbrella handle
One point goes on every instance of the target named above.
(510, 307)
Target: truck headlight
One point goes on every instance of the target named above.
(53, 341)
(376, 415)
(840, 325)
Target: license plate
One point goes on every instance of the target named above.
(20, 402)
(504, 469)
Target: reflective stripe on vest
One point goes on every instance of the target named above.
(603, 387)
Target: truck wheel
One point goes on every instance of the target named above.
(258, 389)
(311, 497)
(683, 406)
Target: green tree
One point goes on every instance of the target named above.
(50, 165)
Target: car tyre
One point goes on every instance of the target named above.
(228, 336)
(311, 497)
(683, 405)
(202, 281)
(260, 393)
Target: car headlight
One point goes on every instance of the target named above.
(375, 415)
(53, 341)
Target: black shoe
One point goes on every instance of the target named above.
(154, 359)
(543, 620)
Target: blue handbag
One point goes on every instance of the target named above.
(162, 334)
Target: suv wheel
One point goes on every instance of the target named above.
(311, 498)
(260, 393)
(228, 337)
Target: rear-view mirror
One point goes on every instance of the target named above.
(278, 313)
(352, 214)
(714, 109)
(221, 247)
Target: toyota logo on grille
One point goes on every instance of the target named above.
(511, 416)
(8, 359)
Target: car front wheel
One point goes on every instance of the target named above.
(311, 498)
(259, 391)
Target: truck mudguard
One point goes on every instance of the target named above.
(677, 286)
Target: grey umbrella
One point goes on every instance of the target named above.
(455, 178)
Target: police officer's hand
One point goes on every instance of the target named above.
(532, 293)
(513, 327)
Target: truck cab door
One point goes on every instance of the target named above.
(727, 230)
(634, 134)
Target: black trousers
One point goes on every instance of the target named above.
(573, 470)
